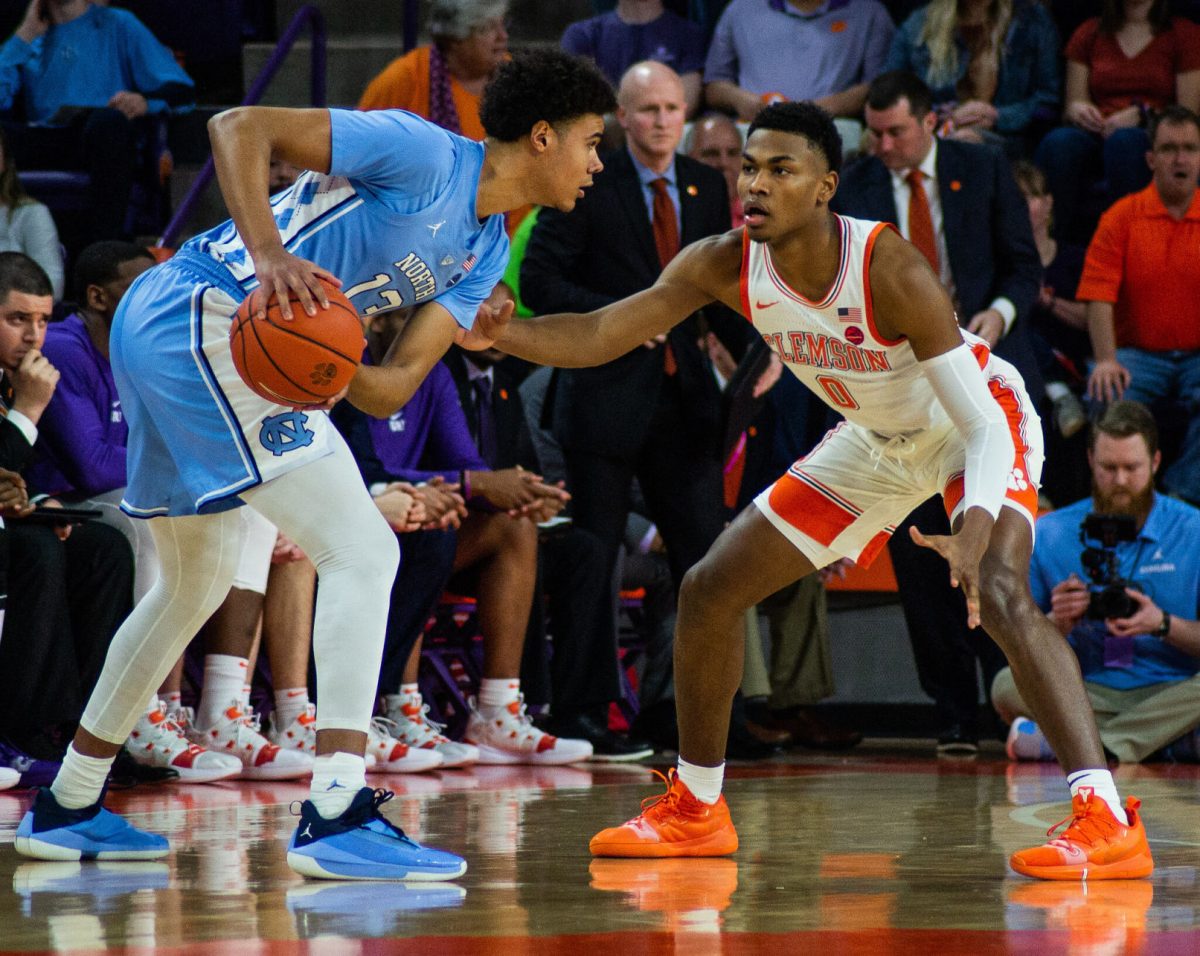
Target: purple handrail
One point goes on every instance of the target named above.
(307, 16)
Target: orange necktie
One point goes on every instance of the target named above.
(666, 241)
(920, 220)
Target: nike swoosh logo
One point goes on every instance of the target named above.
(297, 693)
(765, 305)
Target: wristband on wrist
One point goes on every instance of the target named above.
(1164, 628)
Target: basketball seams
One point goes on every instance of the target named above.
(264, 353)
(284, 327)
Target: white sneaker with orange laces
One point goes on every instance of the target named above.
(237, 733)
(507, 735)
(386, 754)
(299, 735)
(412, 725)
(158, 741)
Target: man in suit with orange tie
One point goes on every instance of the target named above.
(959, 205)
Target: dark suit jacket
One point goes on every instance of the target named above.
(603, 251)
(513, 441)
(988, 236)
(15, 450)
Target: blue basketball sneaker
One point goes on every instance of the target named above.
(49, 831)
(362, 844)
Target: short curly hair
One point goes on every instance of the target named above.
(544, 84)
(807, 120)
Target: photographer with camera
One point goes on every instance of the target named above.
(1119, 575)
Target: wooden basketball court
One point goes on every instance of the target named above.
(885, 850)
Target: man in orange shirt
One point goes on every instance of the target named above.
(1141, 281)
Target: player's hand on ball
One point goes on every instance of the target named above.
(280, 274)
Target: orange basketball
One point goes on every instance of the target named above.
(299, 361)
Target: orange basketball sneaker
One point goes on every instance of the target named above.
(1094, 846)
(674, 824)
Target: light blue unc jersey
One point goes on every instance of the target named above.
(394, 219)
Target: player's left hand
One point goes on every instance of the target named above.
(490, 322)
(1144, 620)
(988, 325)
(962, 553)
(130, 103)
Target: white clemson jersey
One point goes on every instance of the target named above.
(834, 347)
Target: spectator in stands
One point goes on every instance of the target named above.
(992, 66)
(767, 50)
(427, 442)
(1131, 61)
(716, 141)
(83, 76)
(958, 204)
(25, 224)
(444, 80)
(1141, 281)
(1058, 320)
(1140, 662)
(640, 30)
(69, 587)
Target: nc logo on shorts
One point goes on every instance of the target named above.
(287, 432)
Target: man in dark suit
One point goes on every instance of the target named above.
(581, 679)
(653, 413)
(959, 205)
(68, 588)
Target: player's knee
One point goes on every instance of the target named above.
(701, 593)
(1004, 598)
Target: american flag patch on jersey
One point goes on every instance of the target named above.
(469, 263)
(850, 315)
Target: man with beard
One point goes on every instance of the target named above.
(1140, 669)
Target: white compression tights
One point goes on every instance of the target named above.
(325, 509)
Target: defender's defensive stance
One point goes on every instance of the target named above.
(855, 312)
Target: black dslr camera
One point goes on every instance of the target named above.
(1108, 598)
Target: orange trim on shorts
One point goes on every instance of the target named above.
(797, 498)
(867, 298)
(874, 546)
(744, 280)
(1026, 498)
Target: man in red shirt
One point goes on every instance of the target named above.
(1141, 281)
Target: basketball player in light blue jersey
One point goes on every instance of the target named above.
(402, 213)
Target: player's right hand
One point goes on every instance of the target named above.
(1108, 381)
(963, 553)
(279, 274)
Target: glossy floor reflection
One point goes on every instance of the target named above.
(883, 851)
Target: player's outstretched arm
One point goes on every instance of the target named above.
(380, 390)
(571, 340)
(909, 301)
(243, 141)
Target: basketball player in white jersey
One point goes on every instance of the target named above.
(855, 312)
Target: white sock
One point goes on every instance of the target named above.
(80, 780)
(1102, 786)
(704, 782)
(290, 703)
(336, 780)
(412, 691)
(172, 700)
(224, 677)
(496, 693)
(244, 699)
(153, 704)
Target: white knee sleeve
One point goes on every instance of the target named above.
(258, 541)
(197, 556)
(325, 508)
